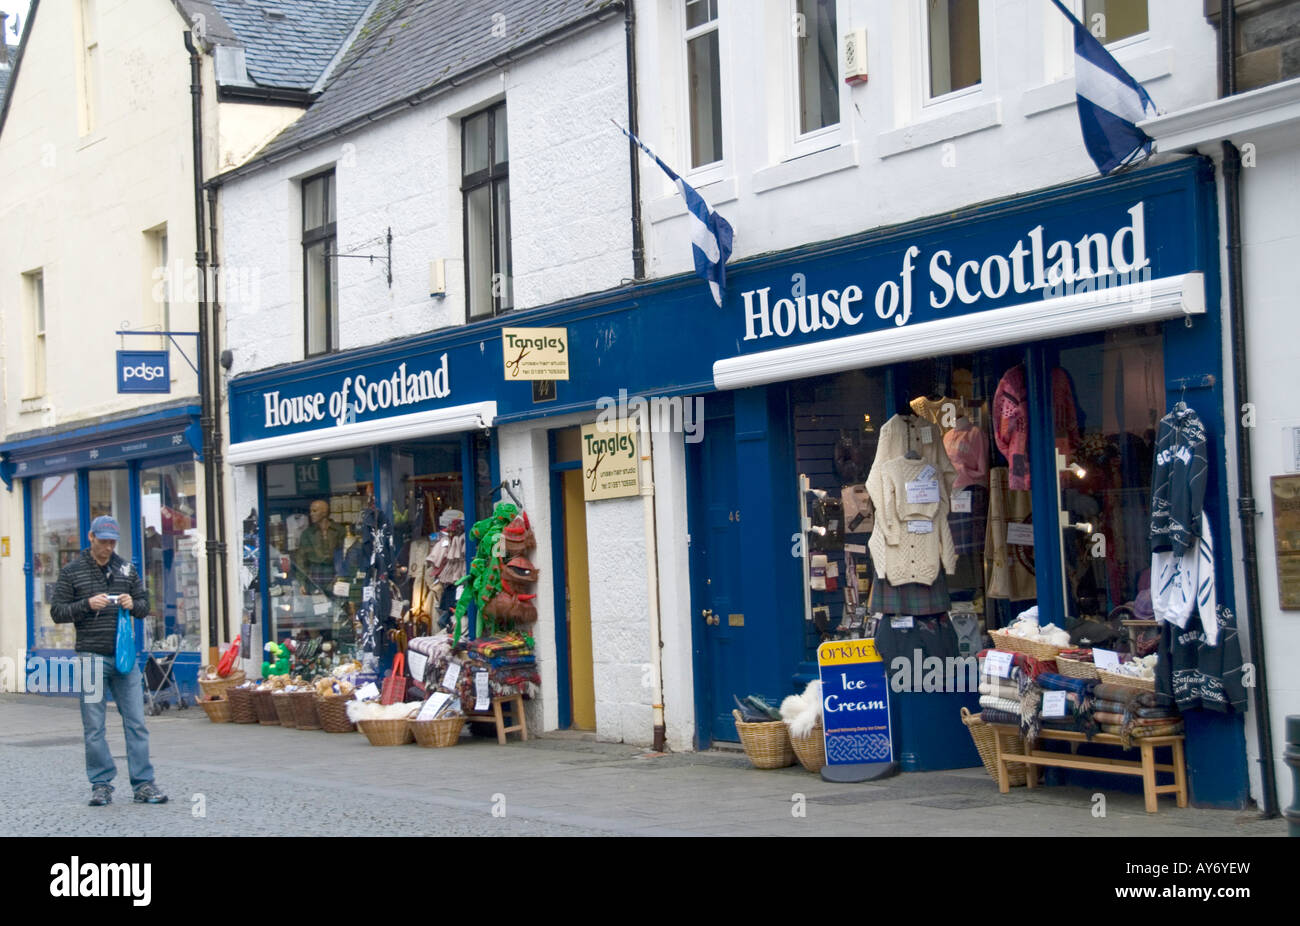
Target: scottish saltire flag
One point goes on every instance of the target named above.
(710, 233)
(1111, 103)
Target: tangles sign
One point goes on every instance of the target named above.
(535, 353)
(610, 462)
(143, 371)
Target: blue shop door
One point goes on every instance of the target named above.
(715, 569)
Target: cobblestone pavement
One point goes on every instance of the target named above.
(236, 780)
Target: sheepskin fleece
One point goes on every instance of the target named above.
(373, 710)
(802, 712)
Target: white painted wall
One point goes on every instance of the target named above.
(892, 158)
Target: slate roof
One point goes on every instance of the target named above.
(289, 43)
(410, 46)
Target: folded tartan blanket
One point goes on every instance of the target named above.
(1108, 717)
(520, 659)
(1170, 713)
(1138, 733)
(1122, 694)
(1155, 699)
(499, 644)
(1000, 688)
(989, 715)
(1006, 705)
(1111, 707)
(1049, 681)
(1028, 664)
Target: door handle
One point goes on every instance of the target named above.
(708, 615)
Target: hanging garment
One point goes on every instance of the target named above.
(938, 411)
(1008, 568)
(859, 512)
(1181, 584)
(1198, 674)
(1011, 424)
(1178, 484)
(902, 433)
(910, 598)
(968, 527)
(912, 538)
(968, 449)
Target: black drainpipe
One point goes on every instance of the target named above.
(1246, 493)
(217, 461)
(205, 389)
(638, 243)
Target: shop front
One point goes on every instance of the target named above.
(921, 434)
(142, 470)
(344, 462)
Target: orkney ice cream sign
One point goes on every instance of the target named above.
(356, 397)
(936, 283)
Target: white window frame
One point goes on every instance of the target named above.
(929, 101)
(828, 136)
(158, 278)
(36, 343)
(89, 68)
(714, 170)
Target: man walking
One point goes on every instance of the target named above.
(90, 590)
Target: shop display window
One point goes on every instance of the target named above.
(428, 492)
(56, 541)
(316, 566)
(110, 494)
(171, 543)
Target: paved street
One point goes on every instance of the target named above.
(229, 780)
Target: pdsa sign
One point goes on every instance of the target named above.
(143, 371)
(855, 711)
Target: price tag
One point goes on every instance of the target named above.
(926, 474)
(923, 491)
(482, 698)
(361, 576)
(998, 664)
(961, 501)
(901, 623)
(451, 676)
(430, 708)
(396, 609)
(417, 662)
(322, 607)
(367, 692)
(368, 593)
(1053, 703)
(341, 589)
(927, 437)
(1105, 659)
(855, 548)
(920, 527)
(1021, 535)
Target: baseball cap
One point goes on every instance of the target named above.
(105, 528)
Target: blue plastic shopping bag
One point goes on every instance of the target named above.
(125, 641)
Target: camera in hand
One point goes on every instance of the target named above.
(112, 599)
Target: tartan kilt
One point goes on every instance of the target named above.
(910, 598)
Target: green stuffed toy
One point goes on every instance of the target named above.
(277, 662)
(482, 579)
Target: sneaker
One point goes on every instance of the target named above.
(149, 793)
(101, 795)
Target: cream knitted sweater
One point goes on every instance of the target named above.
(904, 554)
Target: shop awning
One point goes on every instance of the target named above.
(1094, 310)
(472, 417)
(143, 436)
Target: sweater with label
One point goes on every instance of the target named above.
(1178, 482)
(911, 537)
(83, 579)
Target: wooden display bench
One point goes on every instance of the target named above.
(512, 705)
(1146, 767)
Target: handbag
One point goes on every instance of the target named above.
(394, 690)
(227, 663)
(125, 641)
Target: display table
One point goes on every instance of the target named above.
(1146, 767)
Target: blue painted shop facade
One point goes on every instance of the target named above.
(1102, 297)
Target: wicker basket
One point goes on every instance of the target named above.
(387, 732)
(766, 744)
(283, 705)
(216, 686)
(304, 710)
(1005, 641)
(443, 732)
(333, 713)
(810, 750)
(1075, 668)
(265, 707)
(218, 711)
(1130, 681)
(986, 745)
(243, 708)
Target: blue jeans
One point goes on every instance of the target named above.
(129, 696)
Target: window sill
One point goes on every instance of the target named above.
(933, 131)
(85, 141)
(669, 207)
(806, 167)
(1059, 93)
(33, 404)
